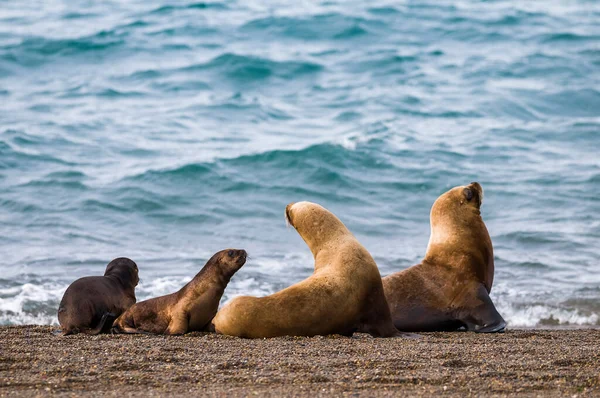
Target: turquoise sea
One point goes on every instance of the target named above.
(166, 130)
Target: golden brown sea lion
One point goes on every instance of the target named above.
(343, 294)
(91, 304)
(189, 309)
(450, 288)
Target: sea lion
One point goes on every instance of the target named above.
(343, 295)
(450, 288)
(91, 304)
(189, 309)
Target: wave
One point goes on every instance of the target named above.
(188, 30)
(107, 92)
(168, 9)
(567, 37)
(30, 303)
(35, 51)
(248, 68)
(541, 315)
(317, 27)
(13, 158)
(312, 166)
(343, 167)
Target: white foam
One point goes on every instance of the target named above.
(246, 287)
(16, 304)
(36, 303)
(545, 315)
(160, 286)
(292, 264)
(528, 307)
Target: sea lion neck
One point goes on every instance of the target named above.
(454, 235)
(318, 227)
(123, 277)
(125, 283)
(321, 239)
(212, 274)
(462, 241)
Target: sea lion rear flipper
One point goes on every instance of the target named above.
(128, 330)
(104, 325)
(406, 335)
(484, 318)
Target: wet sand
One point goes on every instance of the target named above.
(33, 361)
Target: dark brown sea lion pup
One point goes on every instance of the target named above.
(343, 295)
(189, 309)
(91, 304)
(450, 288)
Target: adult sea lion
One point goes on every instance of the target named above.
(189, 309)
(450, 288)
(91, 304)
(343, 295)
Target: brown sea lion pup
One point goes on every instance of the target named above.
(343, 294)
(450, 288)
(189, 309)
(91, 304)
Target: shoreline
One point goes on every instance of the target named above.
(531, 362)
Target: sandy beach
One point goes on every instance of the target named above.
(34, 361)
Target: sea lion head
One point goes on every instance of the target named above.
(315, 224)
(125, 270)
(459, 202)
(457, 230)
(455, 216)
(229, 260)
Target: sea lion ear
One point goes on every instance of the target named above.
(468, 194)
(288, 219)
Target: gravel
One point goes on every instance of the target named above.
(35, 361)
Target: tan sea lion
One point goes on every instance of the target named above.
(450, 288)
(91, 304)
(189, 309)
(343, 295)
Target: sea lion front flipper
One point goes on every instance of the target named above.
(483, 316)
(104, 325)
(379, 321)
(392, 332)
(210, 327)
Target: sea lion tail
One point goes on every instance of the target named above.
(104, 325)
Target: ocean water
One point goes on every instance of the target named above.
(165, 131)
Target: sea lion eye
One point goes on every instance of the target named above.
(230, 253)
(468, 194)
